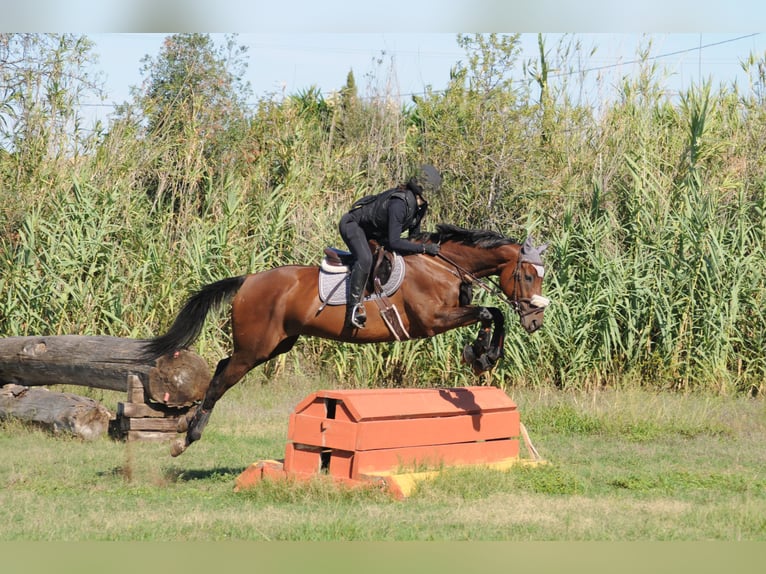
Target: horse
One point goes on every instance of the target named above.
(271, 309)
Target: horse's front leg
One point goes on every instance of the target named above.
(485, 351)
(495, 351)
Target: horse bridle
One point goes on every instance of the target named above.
(536, 303)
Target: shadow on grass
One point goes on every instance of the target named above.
(187, 475)
(182, 474)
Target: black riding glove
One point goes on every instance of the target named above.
(431, 248)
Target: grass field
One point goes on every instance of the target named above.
(622, 466)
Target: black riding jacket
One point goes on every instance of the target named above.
(385, 216)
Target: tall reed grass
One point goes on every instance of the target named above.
(655, 210)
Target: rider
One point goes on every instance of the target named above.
(384, 217)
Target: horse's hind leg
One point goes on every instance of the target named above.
(183, 424)
(228, 373)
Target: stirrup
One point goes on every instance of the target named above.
(358, 316)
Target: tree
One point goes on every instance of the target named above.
(474, 132)
(194, 103)
(44, 79)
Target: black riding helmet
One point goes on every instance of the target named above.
(427, 180)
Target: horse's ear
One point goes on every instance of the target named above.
(531, 253)
(527, 245)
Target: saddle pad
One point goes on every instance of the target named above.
(329, 282)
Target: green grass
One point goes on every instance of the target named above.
(619, 466)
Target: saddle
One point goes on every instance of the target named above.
(339, 261)
(336, 260)
(385, 278)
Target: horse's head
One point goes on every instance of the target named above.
(522, 284)
(520, 270)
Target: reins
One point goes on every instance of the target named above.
(497, 290)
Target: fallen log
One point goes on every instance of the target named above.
(105, 363)
(57, 412)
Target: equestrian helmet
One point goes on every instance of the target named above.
(427, 180)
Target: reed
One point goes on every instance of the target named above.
(654, 209)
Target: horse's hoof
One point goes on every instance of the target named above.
(483, 363)
(178, 447)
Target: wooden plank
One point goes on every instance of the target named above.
(396, 433)
(150, 424)
(324, 407)
(302, 459)
(312, 405)
(372, 461)
(344, 464)
(372, 404)
(256, 472)
(136, 392)
(139, 435)
(143, 410)
(340, 463)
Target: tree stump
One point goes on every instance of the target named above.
(57, 412)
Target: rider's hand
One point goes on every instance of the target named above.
(431, 248)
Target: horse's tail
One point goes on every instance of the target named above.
(188, 324)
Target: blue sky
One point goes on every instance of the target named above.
(280, 16)
(295, 44)
(293, 62)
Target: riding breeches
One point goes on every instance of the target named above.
(356, 240)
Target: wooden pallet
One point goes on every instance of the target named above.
(389, 436)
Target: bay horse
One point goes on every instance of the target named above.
(271, 309)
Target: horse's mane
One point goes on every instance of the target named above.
(472, 237)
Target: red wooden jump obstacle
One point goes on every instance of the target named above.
(384, 436)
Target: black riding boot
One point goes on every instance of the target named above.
(355, 313)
